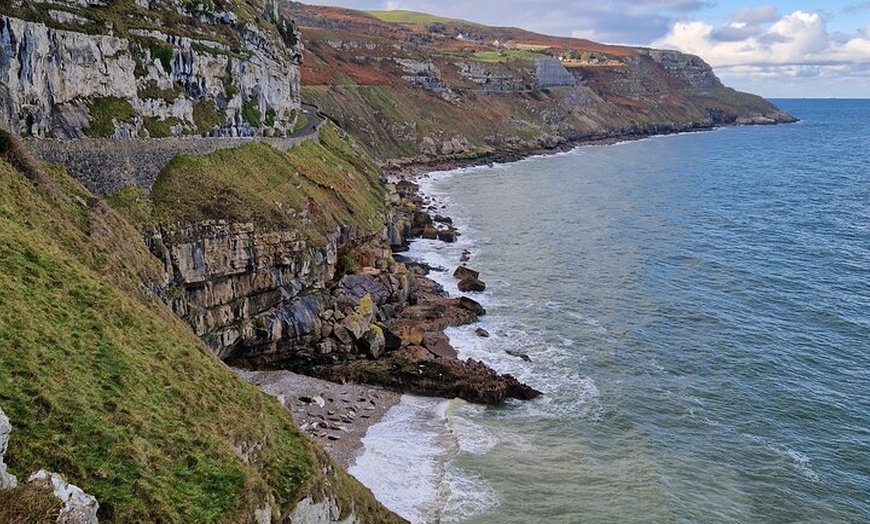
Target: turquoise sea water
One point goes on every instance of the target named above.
(696, 309)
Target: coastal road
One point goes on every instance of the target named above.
(313, 120)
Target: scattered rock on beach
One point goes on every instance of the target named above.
(481, 332)
(448, 235)
(430, 232)
(439, 345)
(472, 305)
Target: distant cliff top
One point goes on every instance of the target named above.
(418, 88)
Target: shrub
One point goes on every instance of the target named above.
(251, 111)
(206, 116)
(104, 111)
(164, 53)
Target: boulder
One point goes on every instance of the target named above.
(463, 272)
(392, 341)
(430, 232)
(481, 332)
(360, 285)
(372, 343)
(447, 235)
(410, 334)
(472, 305)
(518, 354)
(420, 220)
(470, 284)
(342, 334)
(439, 345)
(356, 324)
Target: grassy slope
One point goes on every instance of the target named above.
(110, 389)
(413, 17)
(331, 179)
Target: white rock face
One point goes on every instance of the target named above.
(7, 480)
(78, 506)
(52, 79)
(43, 68)
(324, 512)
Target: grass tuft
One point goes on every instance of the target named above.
(29, 504)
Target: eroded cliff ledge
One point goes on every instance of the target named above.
(284, 260)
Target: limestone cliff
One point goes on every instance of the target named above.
(146, 69)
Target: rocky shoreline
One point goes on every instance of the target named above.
(414, 167)
(336, 396)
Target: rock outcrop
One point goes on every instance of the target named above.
(208, 72)
(7, 480)
(78, 506)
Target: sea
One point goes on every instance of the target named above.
(696, 310)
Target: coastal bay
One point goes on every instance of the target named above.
(694, 310)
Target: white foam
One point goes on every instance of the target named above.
(469, 495)
(802, 464)
(404, 458)
(472, 438)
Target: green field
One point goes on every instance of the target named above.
(413, 17)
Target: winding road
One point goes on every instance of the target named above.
(312, 123)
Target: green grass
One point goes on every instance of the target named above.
(151, 90)
(507, 55)
(413, 17)
(206, 116)
(251, 111)
(106, 110)
(29, 504)
(123, 400)
(162, 52)
(330, 180)
(301, 121)
(105, 386)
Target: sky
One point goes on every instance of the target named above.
(778, 49)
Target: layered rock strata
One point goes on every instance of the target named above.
(274, 299)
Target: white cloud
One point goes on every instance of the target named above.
(796, 39)
(756, 47)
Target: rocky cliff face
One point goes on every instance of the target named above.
(261, 298)
(693, 70)
(153, 68)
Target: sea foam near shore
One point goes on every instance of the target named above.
(407, 456)
(413, 459)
